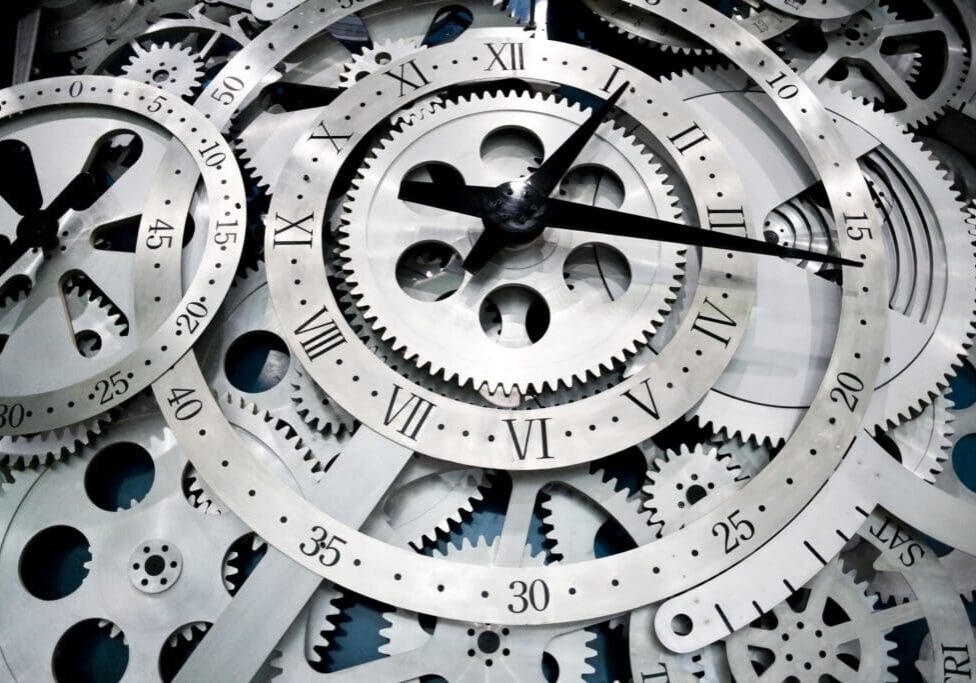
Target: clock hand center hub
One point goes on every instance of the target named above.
(514, 211)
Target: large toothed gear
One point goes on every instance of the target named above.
(633, 22)
(151, 554)
(874, 54)
(683, 485)
(924, 442)
(522, 322)
(931, 268)
(470, 653)
(798, 638)
(34, 450)
(173, 68)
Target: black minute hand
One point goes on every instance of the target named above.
(587, 218)
(547, 176)
(556, 213)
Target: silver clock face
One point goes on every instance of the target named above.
(376, 340)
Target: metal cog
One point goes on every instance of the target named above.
(793, 640)
(430, 498)
(35, 450)
(308, 636)
(573, 519)
(120, 536)
(317, 410)
(173, 68)
(399, 300)
(855, 61)
(272, 440)
(750, 456)
(196, 27)
(924, 441)
(683, 485)
(931, 298)
(375, 57)
(634, 23)
(923, 444)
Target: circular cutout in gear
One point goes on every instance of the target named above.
(462, 336)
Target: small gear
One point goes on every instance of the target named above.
(190, 25)
(173, 68)
(795, 640)
(318, 410)
(375, 57)
(575, 511)
(522, 316)
(751, 457)
(683, 485)
(876, 55)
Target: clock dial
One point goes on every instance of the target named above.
(403, 341)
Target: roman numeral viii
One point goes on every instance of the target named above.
(319, 334)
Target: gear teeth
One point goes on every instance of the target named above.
(403, 633)
(678, 482)
(389, 336)
(573, 652)
(185, 71)
(927, 111)
(82, 288)
(322, 620)
(297, 457)
(40, 450)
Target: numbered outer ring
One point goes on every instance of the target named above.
(483, 436)
(187, 321)
(641, 576)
